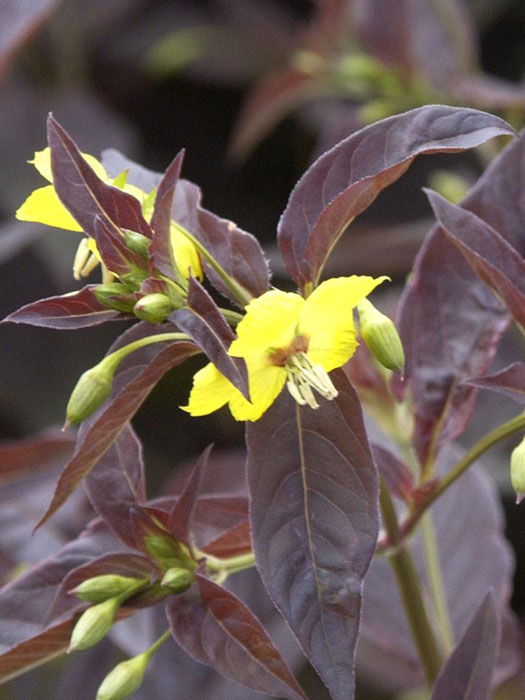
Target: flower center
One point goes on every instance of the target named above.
(303, 376)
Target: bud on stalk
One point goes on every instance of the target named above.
(100, 588)
(93, 624)
(177, 579)
(90, 391)
(380, 336)
(153, 308)
(124, 679)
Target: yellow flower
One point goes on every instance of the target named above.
(285, 338)
(44, 207)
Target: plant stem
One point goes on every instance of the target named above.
(410, 591)
(116, 357)
(435, 582)
(503, 431)
(222, 568)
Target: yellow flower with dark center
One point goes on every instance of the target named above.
(286, 339)
(44, 207)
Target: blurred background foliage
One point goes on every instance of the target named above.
(254, 90)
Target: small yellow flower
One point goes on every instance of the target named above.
(285, 338)
(44, 207)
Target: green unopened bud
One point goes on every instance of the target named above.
(114, 296)
(380, 336)
(100, 588)
(134, 279)
(90, 391)
(168, 553)
(177, 579)
(137, 243)
(153, 308)
(517, 470)
(124, 679)
(93, 624)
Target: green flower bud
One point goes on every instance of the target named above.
(380, 336)
(168, 553)
(137, 243)
(124, 679)
(114, 296)
(517, 470)
(100, 588)
(133, 279)
(153, 308)
(90, 391)
(177, 579)
(93, 624)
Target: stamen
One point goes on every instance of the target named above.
(303, 375)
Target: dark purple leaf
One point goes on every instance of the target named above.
(19, 20)
(235, 541)
(396, 475)
(205, 325)
(75, 310)
(116, 483)
(475, 558)
(182, 511)
(24, 603)
(346, 179)
(120, 564)
(113, 250)
(509, 381)
(237, 252)
(186, 197)
(217, 516)
(84, 195)
(217, 629)
(160, 249)
(492, 259)
(313, 512)
(22, 458)
(134, 379)
(447, 342)
(467, 673)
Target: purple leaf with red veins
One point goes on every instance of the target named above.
(113, 250)
(76, 310)
(314, 520)
(490, 256)
(345, 181)
(116, 484)
(445, 342)
(84, 194)
(467, 673)
(205, 324)
(182, 511)
(134, 379)
(217, 629)
(509, 381)
(237, 252)
(160, 248)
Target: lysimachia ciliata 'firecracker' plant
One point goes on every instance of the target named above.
(289, 364)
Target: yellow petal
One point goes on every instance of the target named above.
(327, 319)
(265, 384)
(211, 390)
(185, 254)
(44, 207)
(42, 162)
(270, 322)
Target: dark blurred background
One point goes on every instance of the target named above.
(150, 77)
